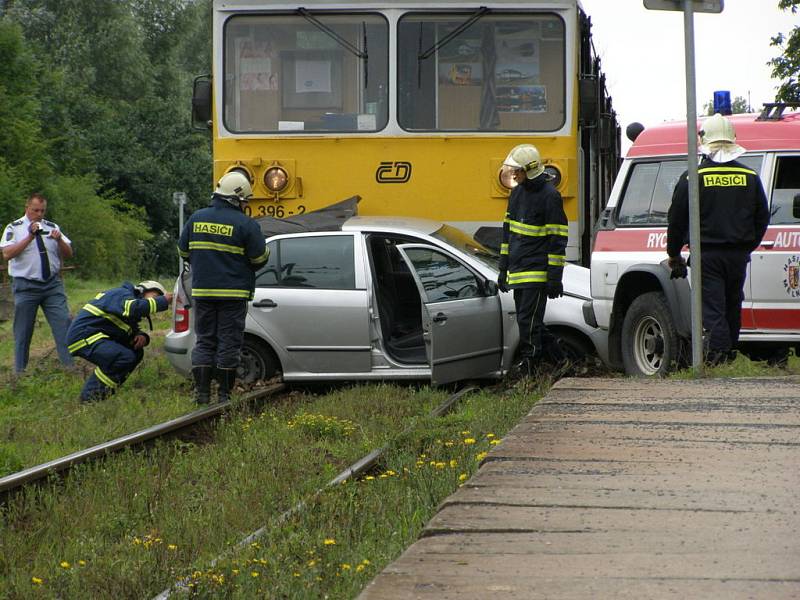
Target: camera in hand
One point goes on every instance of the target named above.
(41, 232)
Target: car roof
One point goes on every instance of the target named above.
(754, 135)
(402, 225)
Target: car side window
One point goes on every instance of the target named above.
(648, 193)
(786, 187)
(324, 262)
(443, 277)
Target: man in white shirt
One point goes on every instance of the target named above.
(34, 249)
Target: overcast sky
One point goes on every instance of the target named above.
(642, 53)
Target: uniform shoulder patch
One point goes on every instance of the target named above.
(48, 223)
(15, 223)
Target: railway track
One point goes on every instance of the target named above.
(14, 482)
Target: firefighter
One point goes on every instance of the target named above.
(225, 248)
(106, 332)
(733, 219)
(532, 256)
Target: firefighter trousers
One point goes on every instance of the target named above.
(536, 343)
(220, 332)
(724, 270)
(114, 362)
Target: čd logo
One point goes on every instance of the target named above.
(393, 172)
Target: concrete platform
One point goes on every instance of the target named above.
(620, 488)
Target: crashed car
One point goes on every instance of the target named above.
(384, 298)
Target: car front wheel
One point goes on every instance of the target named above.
(650, 342)
(257, 362)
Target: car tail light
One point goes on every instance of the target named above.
(181, 322)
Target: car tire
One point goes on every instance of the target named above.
(650, 342)
(257, 362)
(577, 348)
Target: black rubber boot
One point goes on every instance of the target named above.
(202, 384)
(225, 378)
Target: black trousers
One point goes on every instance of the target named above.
(219, 325)
(536, 343)
(724, 271)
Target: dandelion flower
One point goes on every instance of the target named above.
(82, 563)
(453, 464)
(64, 564)
(490, 435)
(494, 442)
(462, 477)
(345, 567)
(235, 571)
(254, 574)
(172, 547)
(365, 562)
(37, 580)
(469, 441)
(360, 568)
(329, 541)
(480, 456)
(465, 432)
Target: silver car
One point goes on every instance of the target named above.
(384, 298)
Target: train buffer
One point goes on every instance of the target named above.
(624, 488)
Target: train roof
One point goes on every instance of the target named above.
(751, 133)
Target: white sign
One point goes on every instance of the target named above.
(706, 6)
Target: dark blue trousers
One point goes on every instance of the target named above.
(723, 271)
(219, 325)
(114, 362)
(536, 343)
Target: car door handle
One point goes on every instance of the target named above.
(265, 303)
(440, 318)
(767, 243)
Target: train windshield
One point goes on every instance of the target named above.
(308, 71)
(481, 71)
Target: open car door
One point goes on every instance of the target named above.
(461, 319)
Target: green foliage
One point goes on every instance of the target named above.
(786, 67)
(739, 105)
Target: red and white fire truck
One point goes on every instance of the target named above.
(647, 314)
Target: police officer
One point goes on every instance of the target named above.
(733, 219)
(106, 332)
(35, 248)
(532, 255)
(225, 248)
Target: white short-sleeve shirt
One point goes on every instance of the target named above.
(27, 264)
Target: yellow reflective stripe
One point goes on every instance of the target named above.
(86, 342)
(153, 305)
(221, 293)
(503, 248)
(126, 312)
(105, 378)
(555, 229)
(556, 260)
(261, 258)
(523, 229)
(100, 295)
(726, 170)
(216, 246)
(182, 252)
(527, 277)
(91, 308)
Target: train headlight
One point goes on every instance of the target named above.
(276, 179)
(553, 174)
(506, 176)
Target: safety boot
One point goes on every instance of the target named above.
(225, 378)
(202, 384)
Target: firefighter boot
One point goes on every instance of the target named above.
(225, 379)
(202, 384)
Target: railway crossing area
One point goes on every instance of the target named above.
(620, 488)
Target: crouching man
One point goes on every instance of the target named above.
(106, 333)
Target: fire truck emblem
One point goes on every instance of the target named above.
(792, 281)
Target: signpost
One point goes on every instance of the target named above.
(689, 7)
(179, 200)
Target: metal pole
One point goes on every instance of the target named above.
(179, 199)
(694, 192)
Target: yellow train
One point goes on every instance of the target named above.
(413, 106)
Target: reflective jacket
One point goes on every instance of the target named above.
(113, 314)
(225, 248)
(733, 208)
(535, 234)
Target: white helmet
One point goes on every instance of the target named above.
(235, 187)
(525, 156)
(146, 286)
(717, 129)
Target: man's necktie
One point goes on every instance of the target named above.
(43, 257)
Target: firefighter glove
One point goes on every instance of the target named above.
(554, 289)
(502, 281)
(677, 267)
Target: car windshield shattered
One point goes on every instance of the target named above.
(466, 243)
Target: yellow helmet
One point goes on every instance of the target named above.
(235, 185)
(525, 156)
(717, 129)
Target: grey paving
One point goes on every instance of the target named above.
(620, 488)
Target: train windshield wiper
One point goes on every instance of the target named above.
(362, 54)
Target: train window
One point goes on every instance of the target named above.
(310, 72)
(473, 72)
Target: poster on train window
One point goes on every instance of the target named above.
(256, 66)
(517, 84)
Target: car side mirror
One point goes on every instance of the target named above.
(490, 287)
(796, 206)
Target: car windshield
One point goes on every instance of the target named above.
(467, 244)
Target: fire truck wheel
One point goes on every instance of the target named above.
(650, 342)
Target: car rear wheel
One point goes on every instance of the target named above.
(257, 362)
(650, 342)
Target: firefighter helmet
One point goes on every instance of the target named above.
(235, 187)
(526, 157)
(717, 129)
(149, 285)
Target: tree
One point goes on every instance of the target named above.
(786, 67)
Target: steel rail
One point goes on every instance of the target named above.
(362, 465)
(21, 478)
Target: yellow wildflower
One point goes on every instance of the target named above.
(462, 477)
(365, 562)
(453, 464)
(235, 571)
(37, 581)
(172, 547)
(480, 456)
(469, 441)
(82, 563)
(254, 574)
(360, 568)
(329, 541)
(494, 442)
(490, 435)
(345, 567)
(64, 564)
